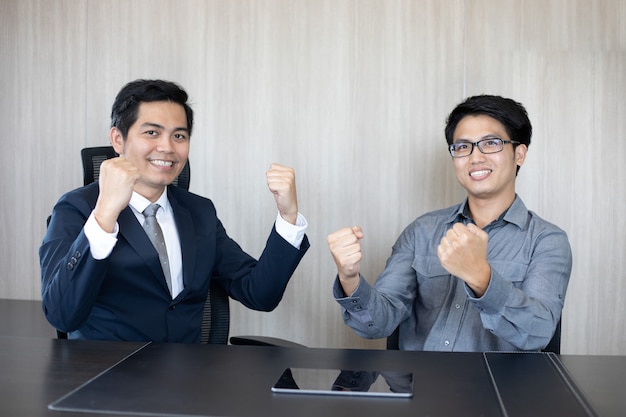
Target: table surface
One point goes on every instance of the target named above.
(24, 318)
(38, 370)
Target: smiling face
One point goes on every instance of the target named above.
(157, 144)
(487, 176)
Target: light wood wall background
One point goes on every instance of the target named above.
(354, 95)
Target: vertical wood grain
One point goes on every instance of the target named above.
(354, 95)
(42, 112)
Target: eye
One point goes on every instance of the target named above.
(151, 132)
(180, 137)
(491, 143)
(461, 146)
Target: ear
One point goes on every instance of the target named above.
(520, 154)
(117, 140)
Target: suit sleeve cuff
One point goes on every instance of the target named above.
(294, 234)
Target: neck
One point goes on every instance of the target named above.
(484, 211)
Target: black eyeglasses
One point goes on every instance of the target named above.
(489, 145)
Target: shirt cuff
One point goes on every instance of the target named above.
(101, 243)
(292, 233)
(361, 291)
(495, 297)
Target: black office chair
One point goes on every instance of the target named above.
(553, 346)
(216, 316)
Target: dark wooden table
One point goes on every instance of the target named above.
(38, 369)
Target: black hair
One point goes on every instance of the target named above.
(505, 110)
(125, 109)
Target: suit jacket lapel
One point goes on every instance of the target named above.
(188, 239)
(133, 233)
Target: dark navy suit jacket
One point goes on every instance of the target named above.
(125, 297)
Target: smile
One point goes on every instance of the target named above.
(480, 173)
(161, 163)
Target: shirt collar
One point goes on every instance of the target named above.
(139, 202)
(460, 214)
(516, 213)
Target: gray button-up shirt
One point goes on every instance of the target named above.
(530, 260)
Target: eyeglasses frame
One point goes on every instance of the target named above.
(475, 145)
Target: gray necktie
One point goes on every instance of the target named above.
(153, 230)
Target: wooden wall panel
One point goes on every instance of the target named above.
(42, 111)
(354, 95)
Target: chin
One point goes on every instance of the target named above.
(162, 182)
(479, 192)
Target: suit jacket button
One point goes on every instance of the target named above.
(70, 266)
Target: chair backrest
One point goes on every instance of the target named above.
(93, 158)
(216, 315)
(553, 346)
(393, 340)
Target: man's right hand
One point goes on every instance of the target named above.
(117, 179)
(345, 247)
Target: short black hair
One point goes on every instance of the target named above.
(505, 110)
(125, 108)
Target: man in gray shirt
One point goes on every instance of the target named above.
(486, 274)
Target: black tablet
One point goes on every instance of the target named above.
(345, 382)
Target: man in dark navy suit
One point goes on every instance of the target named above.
(102, 278)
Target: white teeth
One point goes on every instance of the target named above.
(480, 173)
(161, 163)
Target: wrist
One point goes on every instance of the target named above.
(107, 223)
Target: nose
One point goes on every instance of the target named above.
(476, 154)
(165, 144)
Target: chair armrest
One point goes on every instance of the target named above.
(263, 341)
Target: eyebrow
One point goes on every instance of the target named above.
(158, 126)
(488, 136)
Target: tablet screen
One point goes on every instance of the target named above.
(345, 382)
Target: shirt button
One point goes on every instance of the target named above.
(457, 306)
(447, 342)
